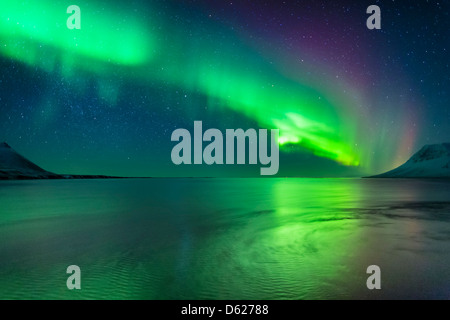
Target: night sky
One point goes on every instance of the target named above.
(105, 99)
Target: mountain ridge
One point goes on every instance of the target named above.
(431, 161)
(14, 166)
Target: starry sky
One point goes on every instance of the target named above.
(105, 99)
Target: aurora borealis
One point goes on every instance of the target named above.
(104, 99)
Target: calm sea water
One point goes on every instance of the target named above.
(225, 238)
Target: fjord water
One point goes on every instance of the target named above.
(225, 238)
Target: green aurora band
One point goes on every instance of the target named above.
(216, 64)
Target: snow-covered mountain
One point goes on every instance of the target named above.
(432, 161)
(15, 166)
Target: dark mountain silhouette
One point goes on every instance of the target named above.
(14, 166)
